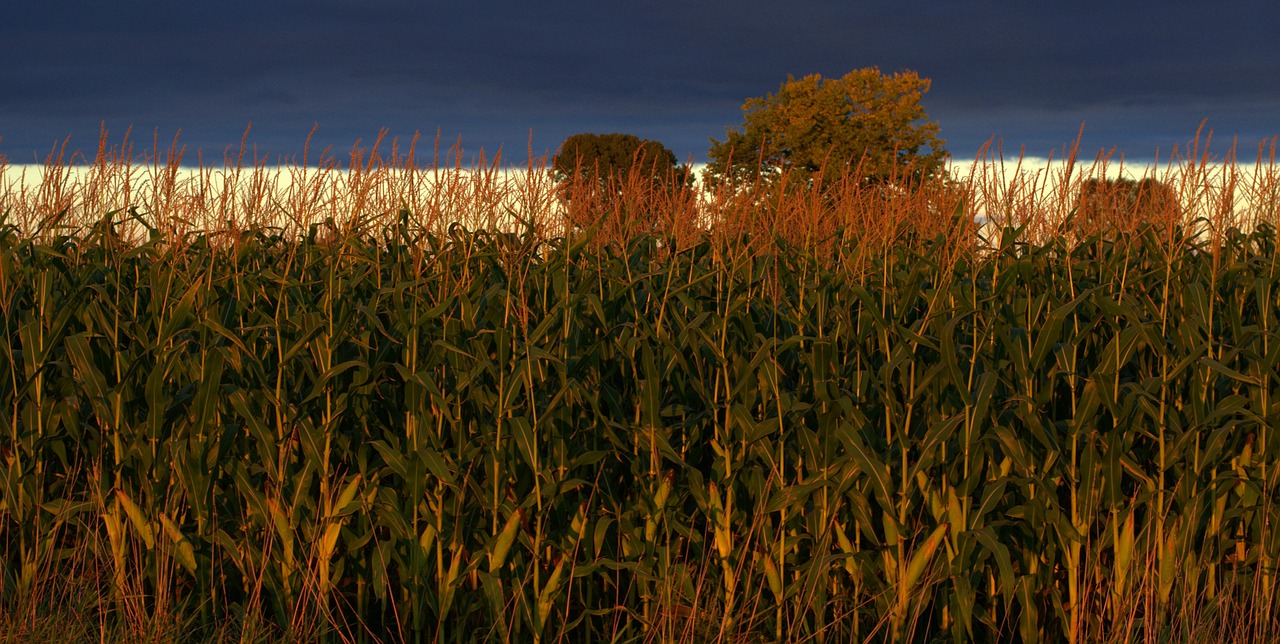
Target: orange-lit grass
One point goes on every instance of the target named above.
(379, 183)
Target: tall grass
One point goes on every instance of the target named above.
(403, 403)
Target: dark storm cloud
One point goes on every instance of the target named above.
(1140, 75)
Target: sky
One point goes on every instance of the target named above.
(1140, 76)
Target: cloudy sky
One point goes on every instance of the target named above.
(1140, 75)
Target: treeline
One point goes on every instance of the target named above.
(820, 132)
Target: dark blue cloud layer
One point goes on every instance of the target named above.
(1140, 77)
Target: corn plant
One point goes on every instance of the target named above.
(826, 415)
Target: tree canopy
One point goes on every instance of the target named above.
(864, 122)
(635, 179)
(1107, 205)
(613, 156)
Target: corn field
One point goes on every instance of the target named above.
(821, 415)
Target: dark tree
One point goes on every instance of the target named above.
(1107, 206)
(634, 179)
(606, 157)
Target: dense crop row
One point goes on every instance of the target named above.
(471, 435)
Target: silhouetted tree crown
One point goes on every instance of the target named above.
(614, 156)
(864, 122)
(1121, 205)
(621, 181)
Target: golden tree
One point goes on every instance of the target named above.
(864, 123)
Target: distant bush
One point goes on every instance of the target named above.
(602, 168)
(1105, 206)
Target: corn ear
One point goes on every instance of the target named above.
(772, 577)
(185, 553)
(547, 598)
(921, 558)
(140, 523)
(506, 538)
